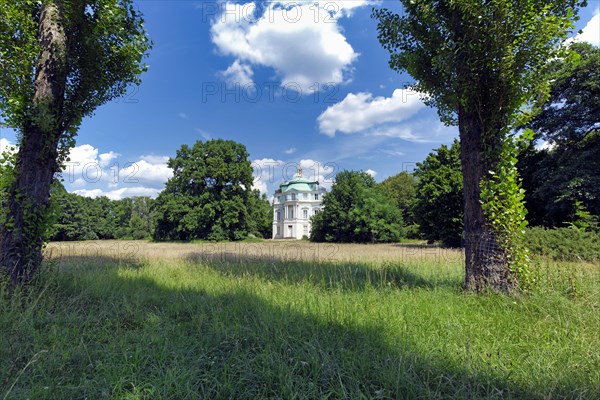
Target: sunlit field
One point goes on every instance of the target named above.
(293, 320)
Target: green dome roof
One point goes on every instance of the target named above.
(299, 183)
(299, 186)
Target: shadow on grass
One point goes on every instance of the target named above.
(343, 275)
(114, 336)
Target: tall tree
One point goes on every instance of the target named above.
(210, 194)
(562, 180)
(439, 204)
(60, 60)
(479, 62)
(357, 210)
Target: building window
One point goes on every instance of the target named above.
(293, 196)
(316, 211)
(278, 215)
(291, 212)
(306, 229)
(316, 196)
(305, 213)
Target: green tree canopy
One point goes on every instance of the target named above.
(563, 181)
(356, 210)
(572, 111)
(75, 217)
(210, 194)
(401, 188)
(439, 204)
(59, 61)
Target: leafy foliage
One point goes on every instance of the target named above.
(401, 188)
(439, 202)
(502, 199)
(210, 196)
(82, 218)
(572, 111)
(261, 215)
(565, 244)
(103, 56)
(563, 181)
(356, 210)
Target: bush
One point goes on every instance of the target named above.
(566, 244)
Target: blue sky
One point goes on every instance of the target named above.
(296, 82)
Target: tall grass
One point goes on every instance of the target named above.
(192, 321)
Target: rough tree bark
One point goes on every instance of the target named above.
(21, 239)
(486, 264)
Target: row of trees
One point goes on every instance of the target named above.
(76, 217)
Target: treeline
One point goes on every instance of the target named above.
(75, 217)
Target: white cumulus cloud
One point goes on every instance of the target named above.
(371, 172)
(238, 73)
(362, 111)
(6, 145)
(591, 32)
(119, 194)
(301, 40)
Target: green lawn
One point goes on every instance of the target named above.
(172, 322)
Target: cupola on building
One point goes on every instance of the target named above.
(294, 203)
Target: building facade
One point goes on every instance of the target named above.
(294, 203)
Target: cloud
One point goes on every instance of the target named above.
(270, 173)
(146, 173)
(371, 172)
(361, 112)
(205, 135)
(5, 145)
(291, 150)
(301, 40)
(544, 145)
(591, 32)
(154, 159)
(417, 131)
(182, 115)
(91, 173)
(106, 158)
(119, 194)
(392, 152)
(238, 73)
(323, 172)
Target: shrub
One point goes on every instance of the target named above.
(566, 244)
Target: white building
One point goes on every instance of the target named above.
(294, 203)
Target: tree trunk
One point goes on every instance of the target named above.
(21, 238)
(486, 264)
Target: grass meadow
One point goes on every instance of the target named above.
(293, 320)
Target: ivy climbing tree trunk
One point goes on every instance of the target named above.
(486, 264)
(21, 239)
(61, 59)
